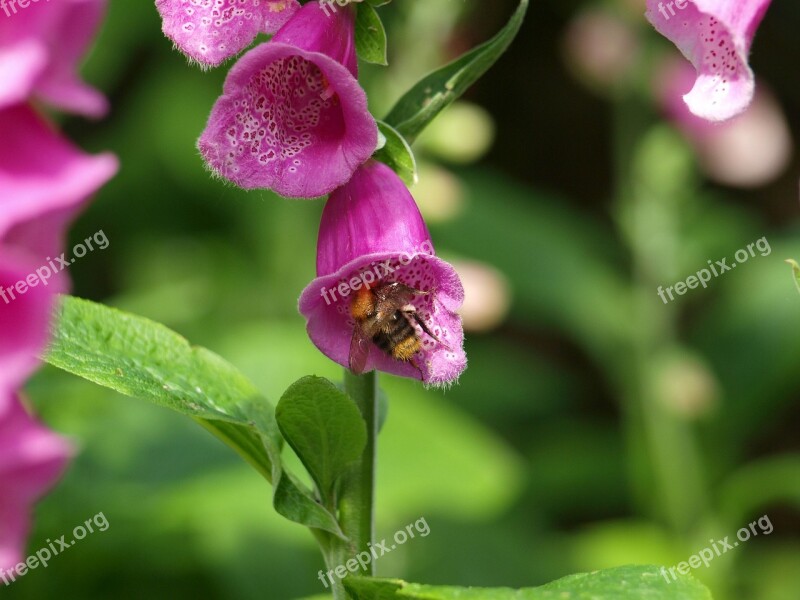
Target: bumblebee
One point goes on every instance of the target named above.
(385, 317)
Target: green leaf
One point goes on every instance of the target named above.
(370, 35)
(435, 92)
(140, 358)
(795, 272)
(324, 427)
(143, 359)
(621, 583)
(397, 154)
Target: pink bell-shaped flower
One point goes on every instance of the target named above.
(40, 48)
(292, 117)
(715, 35)
(382, 299)
(212, 31)
(45, 181)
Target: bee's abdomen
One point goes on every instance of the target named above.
(398, 339)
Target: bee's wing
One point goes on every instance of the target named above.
(386, 307)
(359, 350)
(392, 298)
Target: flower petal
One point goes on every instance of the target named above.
(32, 459)
(21, 66)
(291, 120)
(374, 212)
(715, 35)
(313, 29)
(211, 32)
(53, 38)
(24, 317)
(277, 13)
(45, 181)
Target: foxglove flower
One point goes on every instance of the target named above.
(32, 459)
(292, 116)
(371, 234)
(715, 35)
(747, 151)
(212, 31)
(45, 182)
(40, 48)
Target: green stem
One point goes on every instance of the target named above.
(671, 475)
(358, 498)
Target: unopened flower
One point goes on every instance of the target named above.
(44, 181)
(600, 48)
(715, 35)
(40, 49)
(212, 31)
(382, 299)
(292, 116)
(32, 459)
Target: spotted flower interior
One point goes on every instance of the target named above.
(280, 113)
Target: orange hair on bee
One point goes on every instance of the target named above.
(362, 304)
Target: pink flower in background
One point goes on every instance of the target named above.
(32, 459)
(45, 182)
(292, 116)
(715, 35)
(212, 31)
(373, 235)
(40, 48)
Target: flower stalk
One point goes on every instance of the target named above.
(356, 498)
(356, 506)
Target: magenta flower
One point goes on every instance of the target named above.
(292, 116)
(212, 31)
(749, 150)
(32, 459)
(715, 35)
(40, 48)
(373, 245)
(45, 182)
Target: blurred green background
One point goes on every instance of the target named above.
(596, 426)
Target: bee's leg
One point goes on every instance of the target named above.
(414, 315)
(417, 367)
